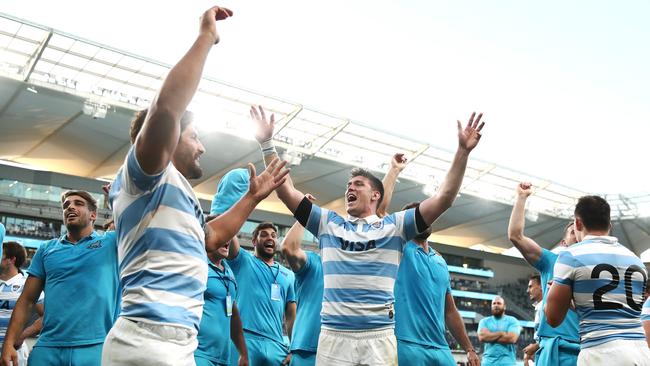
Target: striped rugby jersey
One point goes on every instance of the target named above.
(360, 261)
(9, 292)
(608, 281)
(161, 245)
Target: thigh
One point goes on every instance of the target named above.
(46, 356)
(408, 354)
(379, 351)
(336, 351)
(86, 355)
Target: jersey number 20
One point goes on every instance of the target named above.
(599, 304)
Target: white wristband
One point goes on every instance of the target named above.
(268, 148)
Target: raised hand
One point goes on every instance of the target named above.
(524, 189)
(271, 178)
(263, 127)
(209, 21)
(469, 136)
(398, 162)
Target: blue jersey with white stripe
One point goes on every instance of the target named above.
(309, 298)
(568, 330)
(420, 297)
(360, 263)
(645, 312)
(161, 248)
(608, 281)
(10, 290)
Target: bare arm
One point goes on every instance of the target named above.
(557, 303)
(237, 335)
(397, 164)
(34, 329)
(287, 193)
(161, 130)
(527, 246)
(454, 322)
(234, 248)
(224, 227)
(508, 338)
(291, 247)
(19, 316)
(468, 138)
(290, 316)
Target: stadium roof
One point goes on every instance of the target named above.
(66, 104)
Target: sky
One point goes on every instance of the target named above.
(563, 84)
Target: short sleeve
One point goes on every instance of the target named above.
(405, 223)
(311, 216)
(291, 291)
(514, 326)
(135, 179)
(565, 267)
(37, 267)
(240, 259)
(307, 266)
(545, 261)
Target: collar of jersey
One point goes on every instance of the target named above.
(604, 238)
(368, 219)
(12, 279)
(63, 238)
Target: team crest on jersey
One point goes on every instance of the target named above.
(378, 224)
(94, 245)
(15, 288)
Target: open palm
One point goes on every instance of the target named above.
(271, 178)
(469, 136)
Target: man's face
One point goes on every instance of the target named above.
(569, 236)
(77, 214)
(187, 153)
(498, 307)
(265, 243)
(5, 263)
(359, 196)
(534, 291)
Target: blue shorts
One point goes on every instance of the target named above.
(261, 351)
(413, 354)
(303, 358)
(89, 355)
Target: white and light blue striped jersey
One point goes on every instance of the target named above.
(360, 261)
(608, 281)
(645, 312)
(9, 292)
(161, 245)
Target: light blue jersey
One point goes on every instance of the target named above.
(81, 287)
(3, 231)
(495, 353)
(261, 310)
(214, 332)
(360, 262)
(420, 291)
(607, 281)
(568, 330)
(645, 312)
(163, 263)
(309, 298)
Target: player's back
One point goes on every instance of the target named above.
(608, 281)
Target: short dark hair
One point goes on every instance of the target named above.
(138, 122)
(262, 226)
(426, 233)
(375, 182)
(12, 249)
(90, 200)
(536, 277)
(594, 212)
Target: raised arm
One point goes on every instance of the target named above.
(397, 164)
(161, 130)
(287, 193)
(291, 247)
(223, 228)
(19, 316)
(456, 326)
(527, 246)
(468, 138)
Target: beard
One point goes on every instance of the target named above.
(262, 253)
(498, 313)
